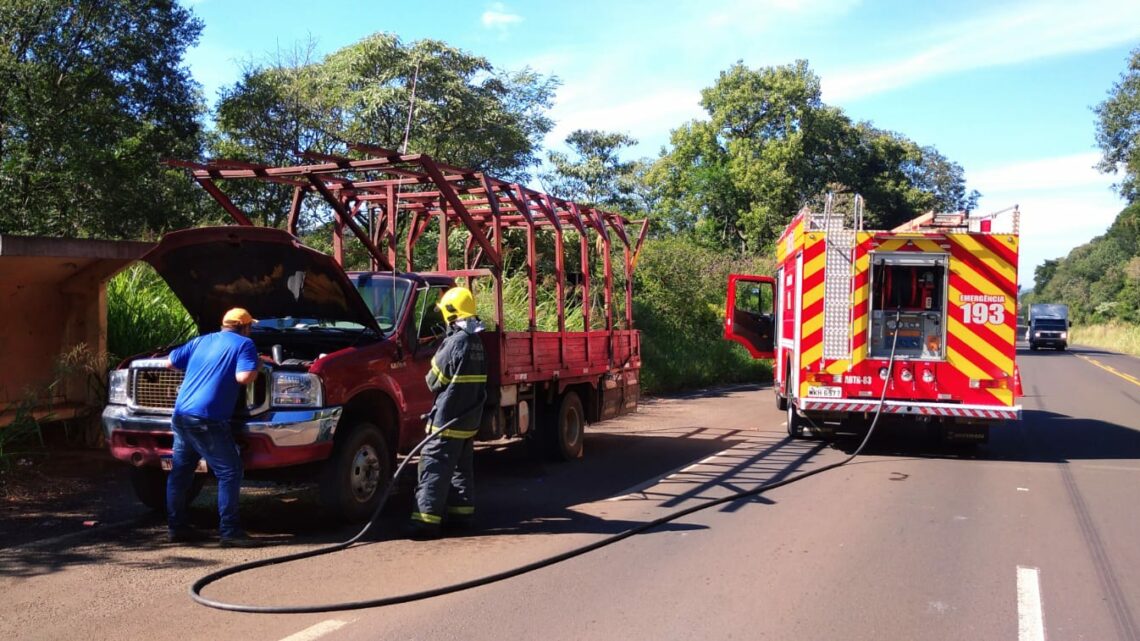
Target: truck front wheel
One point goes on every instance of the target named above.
(356, 474)
(149, 484)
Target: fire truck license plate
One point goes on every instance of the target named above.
(825, 392)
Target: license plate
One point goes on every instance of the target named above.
(168, 464)
(825, 392)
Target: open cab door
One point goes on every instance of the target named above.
(751, 318)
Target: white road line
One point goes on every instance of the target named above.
(636, 490)
(318, 630)
(1030, 620)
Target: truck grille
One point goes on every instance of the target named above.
(155, 389)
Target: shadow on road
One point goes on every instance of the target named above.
(1040, 437)
(517, 494)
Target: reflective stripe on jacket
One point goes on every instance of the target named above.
(458, 378)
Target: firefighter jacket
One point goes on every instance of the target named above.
(458, 378)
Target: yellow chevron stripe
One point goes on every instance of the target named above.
(1004, 332)
(814, 265)
(979, 345)
(980, 282)
(929, 246)
(812, 296)
(992, 260)
(891, 245)
(812, 324)
(964, 365)
(1003, 395)
(838, 367)
(810, 356)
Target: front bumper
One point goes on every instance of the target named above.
(274, 439)
(949, 410)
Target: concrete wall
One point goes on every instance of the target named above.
(53, 297)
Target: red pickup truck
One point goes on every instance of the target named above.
(345, 353)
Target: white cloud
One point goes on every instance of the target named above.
(1063, 201)
(498, 17)
(1003, 36)
(758, 15)
(646, 117)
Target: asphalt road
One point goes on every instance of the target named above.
(1031, 536)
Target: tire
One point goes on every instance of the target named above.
(795, 422)
(782, 400)
(1033, 347)
(356, 475)
(149, 484)
(565, 430)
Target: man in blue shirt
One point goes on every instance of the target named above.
(217, 365)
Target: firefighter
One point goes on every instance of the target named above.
(458, 378)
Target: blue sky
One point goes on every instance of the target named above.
(1006, 89)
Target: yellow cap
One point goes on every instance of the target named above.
(237, 316)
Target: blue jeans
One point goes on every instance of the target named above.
(198, 438)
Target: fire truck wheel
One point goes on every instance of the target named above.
(149, 484)
(355, 476)
(795, 422)
(565, 437)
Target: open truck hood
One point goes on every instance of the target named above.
(265, 270)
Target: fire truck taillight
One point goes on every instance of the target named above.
(927, 376)
(906, 375)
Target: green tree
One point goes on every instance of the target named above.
(92, 95)
(771, 144)
(598, 176)
(466, 112)
(1118, 130)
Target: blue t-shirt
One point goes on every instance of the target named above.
(211, 362)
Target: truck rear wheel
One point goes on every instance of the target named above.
(149, 484)
(795, 422)
(562, 433)
(356, 474)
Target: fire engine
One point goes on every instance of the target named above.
(918, 322)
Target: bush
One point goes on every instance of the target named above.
(679, 298)
(143, 314)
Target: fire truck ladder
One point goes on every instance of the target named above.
(838, 284)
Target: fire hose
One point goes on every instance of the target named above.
(200, 584)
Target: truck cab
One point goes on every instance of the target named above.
(343, 358)
(1048, 326)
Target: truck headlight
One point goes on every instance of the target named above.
(1064, 335)
(296, 389)
(117, 387)
(1037, 335)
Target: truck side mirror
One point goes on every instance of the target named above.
(750, 317)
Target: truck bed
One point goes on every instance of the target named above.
(517, 357)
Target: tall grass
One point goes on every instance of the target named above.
(679, 299)
(1119, 337)
(143, 314)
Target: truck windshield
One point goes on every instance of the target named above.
(385, 296)
(1054, 324)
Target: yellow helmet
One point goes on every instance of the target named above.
(456, 303)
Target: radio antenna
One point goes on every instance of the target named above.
(411, 108)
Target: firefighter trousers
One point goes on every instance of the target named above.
(446, 488)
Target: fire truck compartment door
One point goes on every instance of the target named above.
(751, 317)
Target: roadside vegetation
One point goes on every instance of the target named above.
(1117, 337)
(716, 196)
(1100, 280)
